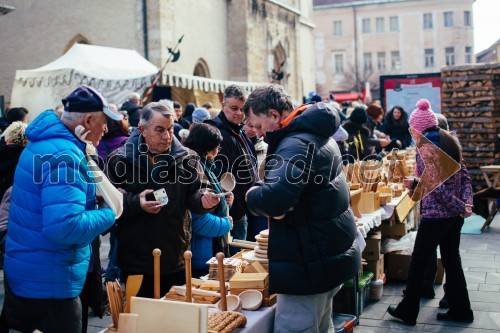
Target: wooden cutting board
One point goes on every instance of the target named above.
(159, 316)
(249, 280)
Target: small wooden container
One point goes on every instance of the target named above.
(369, 202)
(385, 198)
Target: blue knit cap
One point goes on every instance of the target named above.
(200, 115)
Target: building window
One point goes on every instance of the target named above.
(468, 54)
(367, 61)
(428, 21)
(395, 61)
(429, 58)
(366, 25)
(467, 20)
(394, 23)
(380, 24)
(450, 56)
(381, 61)
(338, 59)
(448, 19)
(337, 28)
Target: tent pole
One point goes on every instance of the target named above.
(145, 28)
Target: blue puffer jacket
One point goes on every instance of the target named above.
(52, 217)
(208, 226)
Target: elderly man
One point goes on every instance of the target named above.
(312, 247)
(133, 108)
(152, 159)
(237, 155)
(54, 218)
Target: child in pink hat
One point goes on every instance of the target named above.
(423, 117)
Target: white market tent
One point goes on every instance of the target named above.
(115, 72)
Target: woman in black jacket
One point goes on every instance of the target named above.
(396, 126)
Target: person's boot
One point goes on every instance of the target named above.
(466, 317)
(427, 290)
(444, 303)
(399, 313)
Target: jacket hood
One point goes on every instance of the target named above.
(130, 150)
(319, 119)
(48, 126)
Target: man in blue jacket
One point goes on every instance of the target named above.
(54, 216)
(312, 245)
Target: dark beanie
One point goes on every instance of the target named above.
(358, 115)
(316, 98)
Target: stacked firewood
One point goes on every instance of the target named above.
(471, 102)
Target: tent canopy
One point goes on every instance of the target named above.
(99, 62)
(115, 72)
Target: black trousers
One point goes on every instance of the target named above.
(431, 233)
(46, 315)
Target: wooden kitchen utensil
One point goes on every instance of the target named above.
(157, 254)
(187, 264)
(132, 287)
(114, 295)
(222, 280)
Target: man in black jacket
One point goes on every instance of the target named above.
(312, 235)
(133, 109)
(237, 155)
(153, 159)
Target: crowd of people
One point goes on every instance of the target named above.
(52, 215)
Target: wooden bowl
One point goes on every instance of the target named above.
(251, 299)
(233, 303)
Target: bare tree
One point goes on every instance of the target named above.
(354, 80)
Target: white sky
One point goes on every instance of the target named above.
(486, 23)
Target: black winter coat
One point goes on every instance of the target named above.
(313, 248)
(363, 135)
(140, 232)
(237, 156)
(9, 156)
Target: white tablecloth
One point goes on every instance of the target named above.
(260, 321)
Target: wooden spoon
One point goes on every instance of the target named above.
(222, 280)
(112, 304)
(132, 287)
(157, 254)
(187, 263)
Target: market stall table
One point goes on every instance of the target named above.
(494, 171)
(259, 321)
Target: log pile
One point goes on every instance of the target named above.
(470, 98)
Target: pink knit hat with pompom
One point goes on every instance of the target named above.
(423, 117)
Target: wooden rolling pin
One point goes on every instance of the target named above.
(222, 280)
(156, 255)
(187, 264)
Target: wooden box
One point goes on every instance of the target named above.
(264, 291)
(249, 280)
(369, 202)
(270, 301)
(255, 267)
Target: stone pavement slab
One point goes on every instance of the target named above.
(480, 259)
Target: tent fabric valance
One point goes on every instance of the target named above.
(202, 83)
(63, 77)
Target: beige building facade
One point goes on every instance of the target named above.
(357, 41)
(255, 41)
